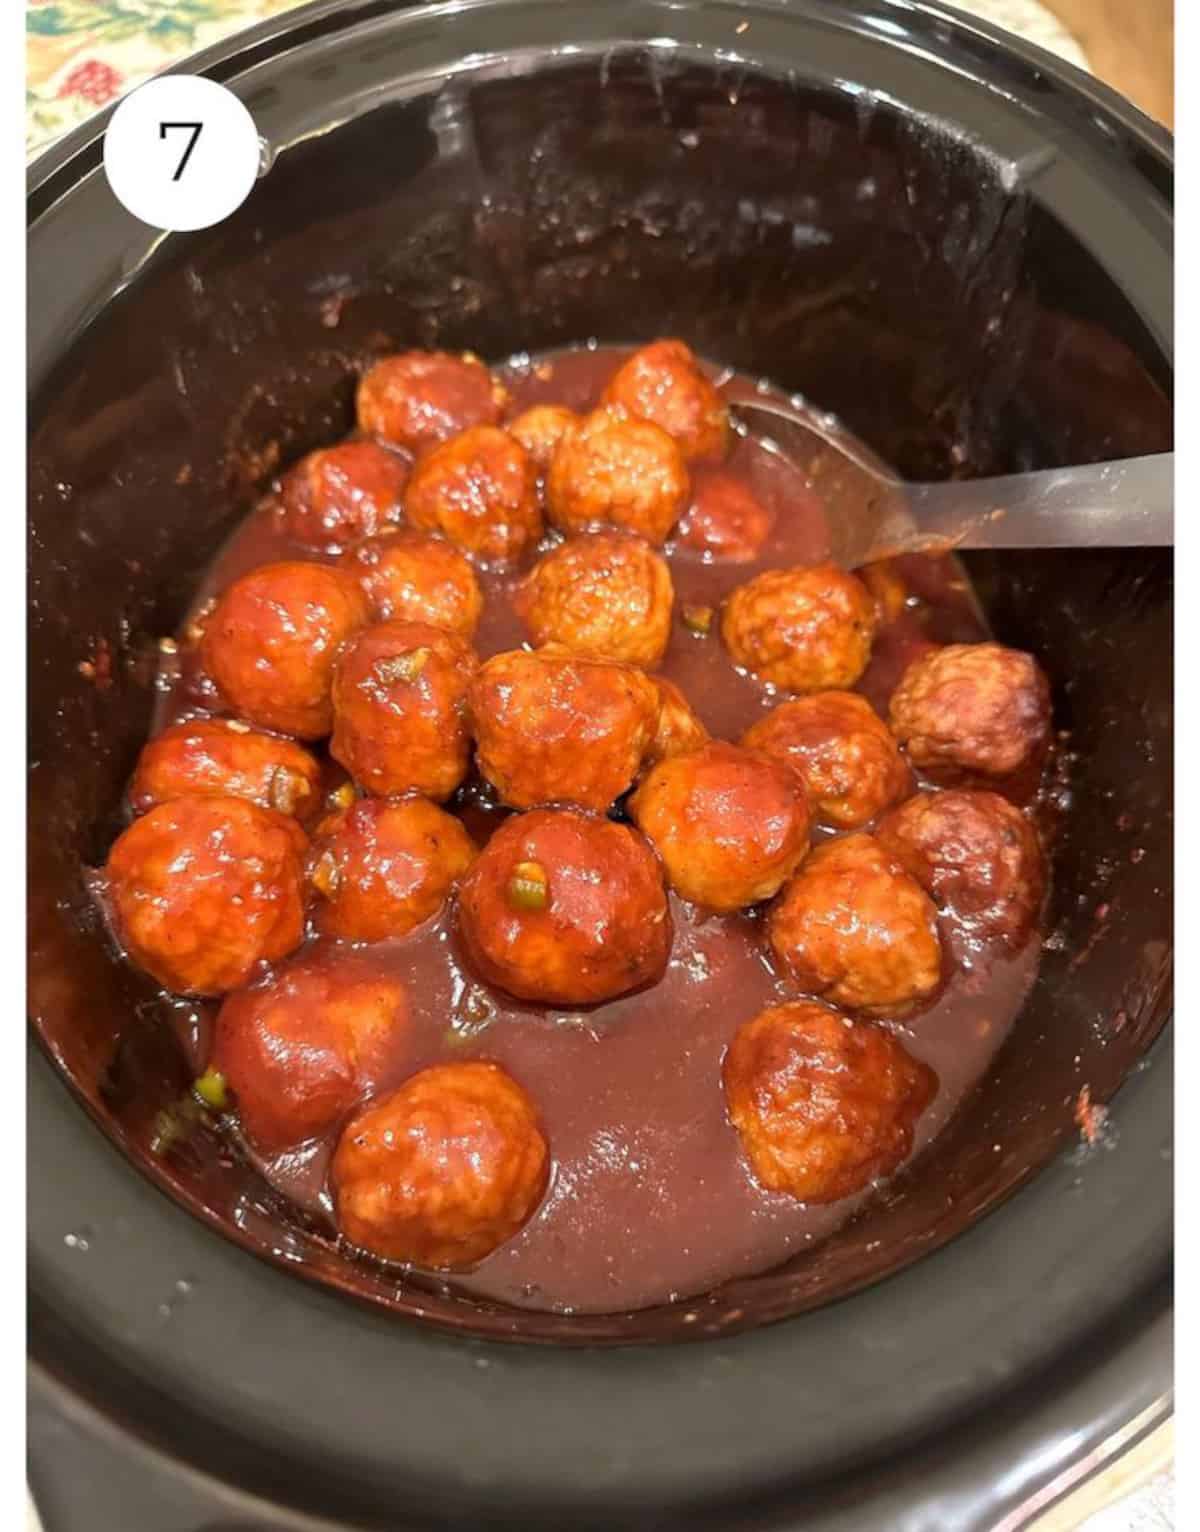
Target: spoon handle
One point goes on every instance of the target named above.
(1125, 504)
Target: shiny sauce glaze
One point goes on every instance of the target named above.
(649, 1198)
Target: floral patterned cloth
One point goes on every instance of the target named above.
(80, 54)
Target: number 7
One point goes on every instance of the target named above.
(163, 129)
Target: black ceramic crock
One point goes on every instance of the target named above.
(957, 243)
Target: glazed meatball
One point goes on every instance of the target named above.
(203, 889)
(854, 927)
(384, 865)
(479, 490)
(726, 520)
(540, 429)
(806, 629)
(605, 594)
(679, 730)
(417, 577)
(729, 825)
(975, 707)
(976, 854)
(333, 497)
(556, 727)
(565, 908)
(823, 1105)
(272, 639)
(664, 383)
(222, 757)
(300, 1051)
(849, 760)
(420, 398)
(443, 1171)
(399, 715)
(613, 470)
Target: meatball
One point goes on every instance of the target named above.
(613, 470)
(556, 727)
(726, 520)
(823, 1105)
(420, 398)
(976, 854)
(605, 594)
(805, 629)
(201, 890)
(335, 496)
(418, 578)
(849, 760)
(399, 714)
(565, 908)
(383, 866)
(272, 639)
(540, 429)
(730, 826)
(301, 1051)
(976, 707)
(222, 757)
(663, 383)
(853, 926)
(443, 1171)
(479, 490)
(679, 730)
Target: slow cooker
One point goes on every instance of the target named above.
(962, 247)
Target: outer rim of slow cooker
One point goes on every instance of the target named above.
(230, 59)
(297, 27)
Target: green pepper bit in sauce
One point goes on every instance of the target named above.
(528, 888)
(210, 1088)
(175, 1123)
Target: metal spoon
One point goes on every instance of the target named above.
(1125, 504)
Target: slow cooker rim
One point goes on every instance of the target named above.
(54, 1393)
(225, 59)
(1029, 1435)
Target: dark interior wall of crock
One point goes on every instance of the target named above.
(880, 268)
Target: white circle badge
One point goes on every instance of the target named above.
(181, 152)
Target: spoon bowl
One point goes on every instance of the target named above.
(1128, 503)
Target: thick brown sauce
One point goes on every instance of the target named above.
(650, 1199)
